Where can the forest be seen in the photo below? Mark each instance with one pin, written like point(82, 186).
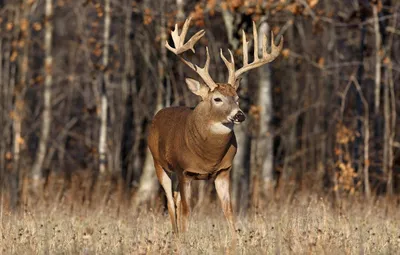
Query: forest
point(80, 82)
point(317, 169)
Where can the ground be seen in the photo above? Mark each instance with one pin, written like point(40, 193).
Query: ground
point(305, 225)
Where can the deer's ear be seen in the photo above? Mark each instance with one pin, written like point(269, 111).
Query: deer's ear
point(197, 88)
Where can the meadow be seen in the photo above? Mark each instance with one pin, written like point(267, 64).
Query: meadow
point(306, 225)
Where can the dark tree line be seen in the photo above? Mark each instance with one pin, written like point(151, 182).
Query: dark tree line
point(81, 80)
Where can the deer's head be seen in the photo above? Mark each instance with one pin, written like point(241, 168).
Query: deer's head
point(221, 105)
point(220, 101)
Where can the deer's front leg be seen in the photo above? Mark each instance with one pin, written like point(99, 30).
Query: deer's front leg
point(184, 205)
point(222, 185)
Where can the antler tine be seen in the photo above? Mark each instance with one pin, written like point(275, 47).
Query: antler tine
point(255, 38)
point(245, 50)
point(276, 49)
point(266, 57)
point(179, 40)
point(185, 28)
point(264, 46)
point(204, 74)
point(181, 46)
point(231, 67)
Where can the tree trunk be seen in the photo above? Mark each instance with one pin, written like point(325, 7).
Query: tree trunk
point(378, 64)
point(45, 131)
point(387, 135)
point(181, 13)
point(103, 91)
point(265, 142)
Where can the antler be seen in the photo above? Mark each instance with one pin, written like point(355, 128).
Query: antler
point(257, 62)
point(181, 47)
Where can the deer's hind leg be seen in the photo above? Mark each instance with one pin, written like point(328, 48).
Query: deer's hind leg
point(166, 183)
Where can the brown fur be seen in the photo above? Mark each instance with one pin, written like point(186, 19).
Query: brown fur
point(181, 141)
point(226, 90)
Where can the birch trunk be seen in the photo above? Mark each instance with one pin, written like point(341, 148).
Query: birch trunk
point(265, 142)
point(378, 64)
point(103, 91)
point(181, 14)
point(46, 121)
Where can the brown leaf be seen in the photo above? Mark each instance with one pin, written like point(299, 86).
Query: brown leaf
point(285, 53)
point(61, 3)
point(321, 62)
point(37, 26)
point(387, 60)
point(13, 56)
point(312, 3)
point(9, 26)
point(24, 25)
point(97, 52)
point(9, 155)
point(294, 8)
point(21, 140)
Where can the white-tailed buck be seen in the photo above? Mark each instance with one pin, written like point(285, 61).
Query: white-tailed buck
point(199, 143)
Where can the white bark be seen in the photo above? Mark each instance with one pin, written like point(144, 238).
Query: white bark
point(378, 64)
point(45, 131)
point(265, 142)
point(181, 14)
point(103, 94)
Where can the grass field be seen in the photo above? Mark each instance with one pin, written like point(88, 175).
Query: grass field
point(308, 225)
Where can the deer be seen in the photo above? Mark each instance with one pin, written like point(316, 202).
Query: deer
point(199, 143)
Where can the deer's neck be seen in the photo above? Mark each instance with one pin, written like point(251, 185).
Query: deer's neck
point(207, 139)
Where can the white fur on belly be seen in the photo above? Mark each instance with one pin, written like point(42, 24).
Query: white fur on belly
point(220, 128)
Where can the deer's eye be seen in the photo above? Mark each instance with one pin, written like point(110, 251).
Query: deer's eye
point(217, 99)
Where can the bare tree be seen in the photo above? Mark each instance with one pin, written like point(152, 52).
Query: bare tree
point(46, 117)
point(103, 90)
point(378, 61)
point(264, 142)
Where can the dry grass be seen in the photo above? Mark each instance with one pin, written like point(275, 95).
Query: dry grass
point(307, 225)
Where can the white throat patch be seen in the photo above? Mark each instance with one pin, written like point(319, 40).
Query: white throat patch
point(221, 128)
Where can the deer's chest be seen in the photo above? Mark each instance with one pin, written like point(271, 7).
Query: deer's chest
point(206, 166)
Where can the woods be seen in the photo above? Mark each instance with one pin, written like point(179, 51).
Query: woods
point(80, 82)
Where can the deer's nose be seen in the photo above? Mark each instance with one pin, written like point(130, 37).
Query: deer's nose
point(239, 117)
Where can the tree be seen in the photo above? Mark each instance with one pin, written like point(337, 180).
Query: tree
point(47, 94)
